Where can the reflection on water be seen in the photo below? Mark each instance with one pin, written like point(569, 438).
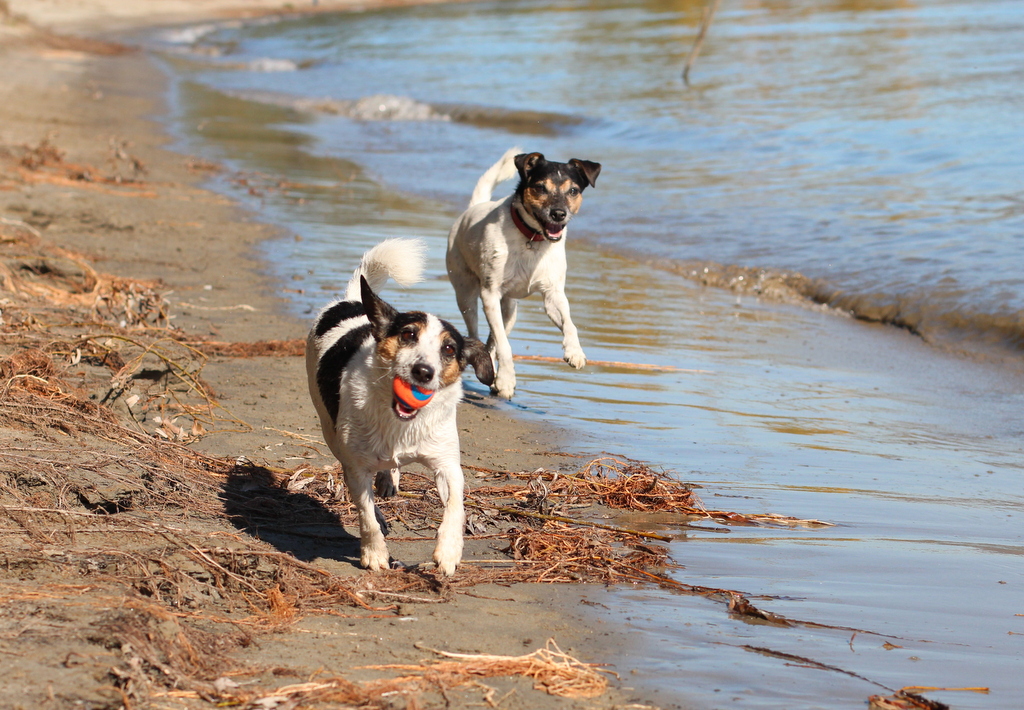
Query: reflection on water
point(858, 149)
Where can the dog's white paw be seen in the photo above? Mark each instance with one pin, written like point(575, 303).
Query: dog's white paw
point(374, 557)
point(385, 484)
point(575, 357)
point(504, 385)
point(447, 562)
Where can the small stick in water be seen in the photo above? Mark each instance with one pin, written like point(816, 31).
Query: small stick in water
point(698, 42)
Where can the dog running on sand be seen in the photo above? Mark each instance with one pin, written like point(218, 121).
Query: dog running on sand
point(504, 250)
point(386, 385)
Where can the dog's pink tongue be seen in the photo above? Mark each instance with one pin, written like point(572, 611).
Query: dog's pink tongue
point(554, 229)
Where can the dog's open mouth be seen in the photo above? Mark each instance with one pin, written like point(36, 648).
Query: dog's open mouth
point(553, 232)
point(408, 399)
point(404, 411)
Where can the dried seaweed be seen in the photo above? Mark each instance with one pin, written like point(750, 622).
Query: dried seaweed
point(46, 163)
point(56, 304)
point(911, 698)
point(552, 670)
point(260, 348)
point(625, 484)
point(904, 700)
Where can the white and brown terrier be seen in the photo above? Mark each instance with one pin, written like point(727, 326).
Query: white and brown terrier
point(501, 251)
point(386, 385)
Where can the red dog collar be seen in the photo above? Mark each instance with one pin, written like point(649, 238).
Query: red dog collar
point(531, 234)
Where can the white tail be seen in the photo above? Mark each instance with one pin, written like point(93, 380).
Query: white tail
point(501, 171)
point(398, 259)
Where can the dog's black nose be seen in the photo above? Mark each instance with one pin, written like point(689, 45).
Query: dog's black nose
point(422, 373)
point(557, 215)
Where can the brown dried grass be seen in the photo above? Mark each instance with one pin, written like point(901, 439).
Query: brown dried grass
point(51, 279)
point(259, 348)
point(624, 484)
point(553, 671)
point(45, 162)
point(58, 307)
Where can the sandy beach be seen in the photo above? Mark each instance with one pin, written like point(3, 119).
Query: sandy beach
point(83, 168)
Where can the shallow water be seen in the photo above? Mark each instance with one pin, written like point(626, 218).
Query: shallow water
point(863, 145)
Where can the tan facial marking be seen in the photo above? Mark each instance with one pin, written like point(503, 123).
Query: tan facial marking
point(574, 201)
point(387, 348)
point(450, 371)
point(535, 198)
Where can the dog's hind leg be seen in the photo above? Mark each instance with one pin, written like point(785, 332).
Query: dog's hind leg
point(505, 381)
point(466, 286)
point(509, 311)
point(373, 550)
point(385, 484)
point(450, 486)
point(466, 297)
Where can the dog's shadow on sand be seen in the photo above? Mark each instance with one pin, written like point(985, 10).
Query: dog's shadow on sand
point(292, 521)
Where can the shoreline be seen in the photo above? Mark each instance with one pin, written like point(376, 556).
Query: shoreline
point(153, 221)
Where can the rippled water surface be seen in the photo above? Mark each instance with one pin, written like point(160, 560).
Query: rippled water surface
point(868, 150)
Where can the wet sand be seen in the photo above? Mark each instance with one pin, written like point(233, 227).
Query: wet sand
point(92, 102)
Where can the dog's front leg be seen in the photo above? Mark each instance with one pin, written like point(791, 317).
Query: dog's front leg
point(373, 550)
point(505, 381)
point(556, 305)
point(450, 486)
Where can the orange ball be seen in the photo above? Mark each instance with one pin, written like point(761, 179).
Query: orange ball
point(411, 395)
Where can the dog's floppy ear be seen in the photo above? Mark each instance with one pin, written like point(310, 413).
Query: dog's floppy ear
point(525, 162)
point(476, 354)
point(381, 314)
point(588, 170)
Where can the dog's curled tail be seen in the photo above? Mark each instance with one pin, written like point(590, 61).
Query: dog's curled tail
point(399, 259)
point(504, 169)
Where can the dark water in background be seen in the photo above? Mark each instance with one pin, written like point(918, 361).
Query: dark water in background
point(872, 148)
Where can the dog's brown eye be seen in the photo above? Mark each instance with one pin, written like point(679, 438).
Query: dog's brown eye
point(407, 336)
point(574, 191)
point(448, 349)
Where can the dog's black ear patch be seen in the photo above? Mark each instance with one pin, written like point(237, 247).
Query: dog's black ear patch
point(525, 162)
point(588, 171)
point(381, 314)
point(476, 354)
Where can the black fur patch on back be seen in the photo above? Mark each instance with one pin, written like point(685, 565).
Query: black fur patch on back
point(337, 313)
point(333, 362)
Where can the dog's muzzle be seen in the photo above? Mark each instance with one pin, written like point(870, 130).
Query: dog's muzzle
point(552, 231)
